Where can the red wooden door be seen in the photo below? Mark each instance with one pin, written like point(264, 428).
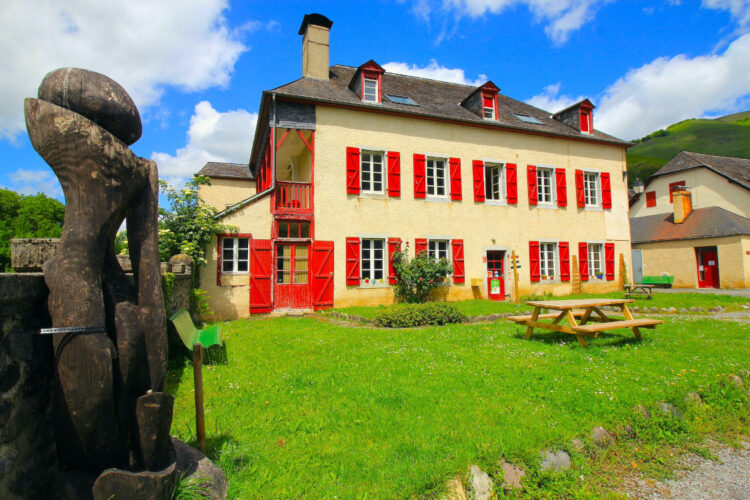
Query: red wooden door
point(495, 275)
point(292, 276)
point(708, 267)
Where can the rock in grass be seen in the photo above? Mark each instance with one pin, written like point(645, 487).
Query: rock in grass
point(627, 431)
point(455, 491)
point(693, 398)
point(558, 461)
point(734, 379)
point(683, 310)
point(642, 411)
point(602, 438)
point(480, 484)
point(744, 373)
point(669, 410)
point(512, 475)
point(577, 445)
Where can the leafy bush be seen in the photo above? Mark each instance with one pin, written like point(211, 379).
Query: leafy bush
point(408, 315)
point(417, 277)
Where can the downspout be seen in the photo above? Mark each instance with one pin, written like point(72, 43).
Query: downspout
point(273, 186)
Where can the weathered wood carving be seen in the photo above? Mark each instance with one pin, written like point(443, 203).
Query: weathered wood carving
point(110, 411)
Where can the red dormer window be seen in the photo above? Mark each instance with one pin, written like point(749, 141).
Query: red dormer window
point(587, 120)
point(369, 79)
point(489, 105)
point(370, 89)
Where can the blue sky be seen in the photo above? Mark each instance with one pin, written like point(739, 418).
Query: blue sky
point(196, 68)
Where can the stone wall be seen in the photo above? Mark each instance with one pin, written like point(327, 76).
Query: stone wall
point(28, 458)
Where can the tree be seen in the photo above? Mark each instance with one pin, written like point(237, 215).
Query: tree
point(417, 277)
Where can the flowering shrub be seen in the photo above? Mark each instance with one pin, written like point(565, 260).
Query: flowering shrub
point(417, 277)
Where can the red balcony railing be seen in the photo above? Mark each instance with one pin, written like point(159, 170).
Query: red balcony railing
point(293, 196)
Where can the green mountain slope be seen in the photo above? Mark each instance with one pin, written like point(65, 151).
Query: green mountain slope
point(725, 136)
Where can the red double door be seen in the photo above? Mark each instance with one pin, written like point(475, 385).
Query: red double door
point(292, 276)
point(708, 267)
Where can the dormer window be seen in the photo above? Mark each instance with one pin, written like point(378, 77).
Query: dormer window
point(370, 90)
point(488, 106)
point(367, 82)
point(579, 116)
point(483, 101)
point(586, 121)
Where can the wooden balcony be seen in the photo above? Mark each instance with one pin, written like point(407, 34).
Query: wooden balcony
point(293, 197)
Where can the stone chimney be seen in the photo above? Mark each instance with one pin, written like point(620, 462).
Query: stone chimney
point(683, 204)
point(315, 30)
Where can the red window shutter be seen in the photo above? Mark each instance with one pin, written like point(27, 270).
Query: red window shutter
point(219, 240)
point(511, 183)
point(580, 197)
point(459, 276)
point(531, 180)
point(394, 244)
point(673, 186)
point(651, 199)
point(352, 261)
point(420, 188)
point(564, 250)
point(420, 246)
point(585, 121)
point(352, 170)
point(477, 168)
point(322, 274)
point(606, 190)
point(562, 188)
point(609, 261)
point(260, 276)
point(394, 173)
point(583, 261)
point(489, 102)
point(534, 260)
point(455, 171)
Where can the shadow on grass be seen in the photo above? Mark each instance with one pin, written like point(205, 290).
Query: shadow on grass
point(614, 339)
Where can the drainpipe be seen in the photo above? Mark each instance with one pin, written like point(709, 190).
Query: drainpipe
point(273, 186)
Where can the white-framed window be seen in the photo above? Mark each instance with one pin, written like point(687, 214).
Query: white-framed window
point(235, 255)
point(438, 249)
point(591, 189)
point(548, 260)
point(596, 260)
point(545, 185)
point(488, 106)
point(370, 91)
point(372, 259)
point(494, 182)
point(436, 177)
point(372, 172)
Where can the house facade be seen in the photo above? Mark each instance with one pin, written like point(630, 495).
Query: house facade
point(692, 222)
point(352, 163)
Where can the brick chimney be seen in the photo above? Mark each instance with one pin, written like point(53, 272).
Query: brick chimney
point(683, 204)
point(315, 30)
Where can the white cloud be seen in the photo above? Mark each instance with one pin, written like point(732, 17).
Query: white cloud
point(31, 182)
point(739, 9)
point(434, 71)
point(142, 44)
point(212, 136)
point(551, 100)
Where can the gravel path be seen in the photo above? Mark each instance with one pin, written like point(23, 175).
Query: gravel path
point(701, 479)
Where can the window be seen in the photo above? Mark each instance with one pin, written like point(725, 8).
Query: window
point(528, 119)
point(591, 189)
point(436, 177)
point(544, 180)
point(651, 199)
point(493, 182)
point(370, 91)
point(294, 229)
point(547, 257)
point(235, 255)
point(372, 259)
point(596, 262)
point(372, 172)
point(399, 99)
point(438, 249)
point(586, 121)
point(488, 106)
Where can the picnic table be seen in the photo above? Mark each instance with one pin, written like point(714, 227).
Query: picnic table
point(639, 289)
point(579, 312)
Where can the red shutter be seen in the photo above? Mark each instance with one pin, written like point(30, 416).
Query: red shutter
point(534, 260)
point(609, 261)
point(394, 244)
point(564, 250)
point(674, 186)
point(352, 261)
point(606, 191)
point(419, 181)
point(260, 276)
point(562, 188)
point(455, 171)
point(651, 199)
point(352, 170)
point(531, 181)
point(420, 246)
point(511, 183)
point(580, 197)
point(322, 274)
point(219, 240)
point(394, 173)
point(459, 276)
point(477, 166)
point(583, 261)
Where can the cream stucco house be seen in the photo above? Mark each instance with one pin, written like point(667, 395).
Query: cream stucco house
point(350, 163)
point(692, 222)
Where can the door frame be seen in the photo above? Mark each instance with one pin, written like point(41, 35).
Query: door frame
point(640, 258)
point(506, 267)
point(699, 261)
point(295, 244)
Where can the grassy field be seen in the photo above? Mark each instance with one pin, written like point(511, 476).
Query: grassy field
point(310, 408)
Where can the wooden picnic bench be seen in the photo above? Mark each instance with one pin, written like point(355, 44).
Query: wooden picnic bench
point(639, 289)
point(578, 313)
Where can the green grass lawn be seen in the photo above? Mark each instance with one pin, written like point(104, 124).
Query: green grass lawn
point(311, 408)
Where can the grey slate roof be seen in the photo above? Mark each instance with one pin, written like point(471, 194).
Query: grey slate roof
point(734, 169)
point(711, 222)
point(227, 170)
point(435, 99)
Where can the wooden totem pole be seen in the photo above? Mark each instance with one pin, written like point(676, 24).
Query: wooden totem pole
point(109, 333)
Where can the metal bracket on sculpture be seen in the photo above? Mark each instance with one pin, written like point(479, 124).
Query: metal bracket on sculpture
point(73, 329)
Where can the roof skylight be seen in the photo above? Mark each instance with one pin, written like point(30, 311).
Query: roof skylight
point(401, 100)
point(528, 119)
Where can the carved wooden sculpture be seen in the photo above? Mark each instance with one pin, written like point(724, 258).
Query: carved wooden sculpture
point(110, 411)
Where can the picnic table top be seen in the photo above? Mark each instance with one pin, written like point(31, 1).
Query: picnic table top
point(639, 285)
point(562, 305)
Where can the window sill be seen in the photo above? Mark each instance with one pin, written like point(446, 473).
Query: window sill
point(438, 199)
point(546, 206)
point(376, 196)
point(238, 273)
point(365, 286)
point(497, 203)
point(593, 208)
